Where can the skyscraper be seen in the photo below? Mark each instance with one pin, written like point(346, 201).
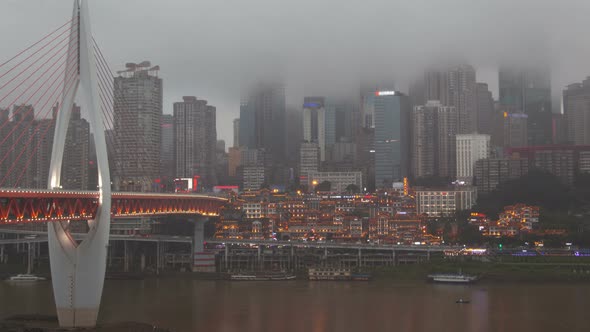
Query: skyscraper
point(309, 160)
point(434, 127)
point(515, 130)
point(455, 86)
point(319, 123)
point(436, 86)
point(528, 91)
point(18, 132)
point(262, 120)
point(423, 141)
point(137, 127)
point(470, 148)
point(167, 165)
point(195, 138)
point(76, 153)
point(485, 109)
point(576, 107)
point(462, 95)
point(236, 133)
point(392, 137)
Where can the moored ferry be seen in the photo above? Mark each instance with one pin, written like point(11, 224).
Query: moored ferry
point(329, 274)
point(25, 278)
point(262, 277)
point(452, 278)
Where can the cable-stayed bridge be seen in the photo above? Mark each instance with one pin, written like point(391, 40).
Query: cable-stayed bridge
point(39, 150)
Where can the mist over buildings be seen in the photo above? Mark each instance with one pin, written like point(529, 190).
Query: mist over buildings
point(212, 49)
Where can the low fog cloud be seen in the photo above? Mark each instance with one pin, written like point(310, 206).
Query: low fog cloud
point(212, 48)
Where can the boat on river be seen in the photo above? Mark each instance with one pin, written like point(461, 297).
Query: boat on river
point(262, 277)
point(25, 278)
point(458, 278)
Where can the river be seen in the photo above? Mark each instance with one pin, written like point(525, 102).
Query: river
point(197, 305)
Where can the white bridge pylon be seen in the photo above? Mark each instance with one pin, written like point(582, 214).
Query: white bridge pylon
point(78, 270)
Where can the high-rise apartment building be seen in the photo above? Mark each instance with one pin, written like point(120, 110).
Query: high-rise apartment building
point(528, 91)
point(137, 127)
point(309, 160)
point(470, 148)
point(392, 137)
point(436, 86)
point(576, 107)
point(28, 144)
point(221, 163)
point(489, 173)
point(515, 129)
point(563, 161)
point(252, 171)
point(195, 137)
point(455, 86)
point(167, 164)
point(262, 121)
point(76, 153)
point(484, 109)
point(463, 95)
point(4, 137)
point(319, 124)
point(560, 163)
point(424, 140)
point(233, 161)
point(19, 171)
point(236, 133)
point(434, 127)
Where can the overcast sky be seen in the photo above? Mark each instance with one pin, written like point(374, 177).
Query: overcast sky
point(210, 48)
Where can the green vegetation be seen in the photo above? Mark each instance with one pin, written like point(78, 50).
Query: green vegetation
point(324, 186)
point(353, 188)
point(563, 207)
point(539, 188)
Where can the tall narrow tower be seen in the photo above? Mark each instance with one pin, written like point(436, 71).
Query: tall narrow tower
point(78, 269)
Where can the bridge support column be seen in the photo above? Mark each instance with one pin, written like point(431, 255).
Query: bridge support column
point(78, 269)
point(393, 262)
point(360, 258)
point(158, 258)
point(125, 257)
point(226, 257)
point(292, 259)
point(428, 255)
point(259, 258)
point(203, 261)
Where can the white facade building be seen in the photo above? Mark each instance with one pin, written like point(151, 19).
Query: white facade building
point(309, 159)
point(318, 123)
point(438, 203)
point(339, 180)
point(252, 177)
point(470, 148)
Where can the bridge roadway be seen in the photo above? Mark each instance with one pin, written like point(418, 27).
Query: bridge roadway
point(42, 237)
point(337, 245)
point(19, 206)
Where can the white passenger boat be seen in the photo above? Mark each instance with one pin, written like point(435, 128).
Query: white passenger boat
point(25, 278)
point(262, 277)
point(453, 278)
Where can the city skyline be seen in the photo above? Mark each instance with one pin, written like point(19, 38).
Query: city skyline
point(353, 159)
point(217, 75)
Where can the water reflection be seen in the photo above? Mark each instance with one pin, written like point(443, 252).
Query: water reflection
point(191, 305)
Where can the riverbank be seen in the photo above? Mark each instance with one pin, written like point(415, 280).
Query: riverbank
point(40, 323)
point(507, 270)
